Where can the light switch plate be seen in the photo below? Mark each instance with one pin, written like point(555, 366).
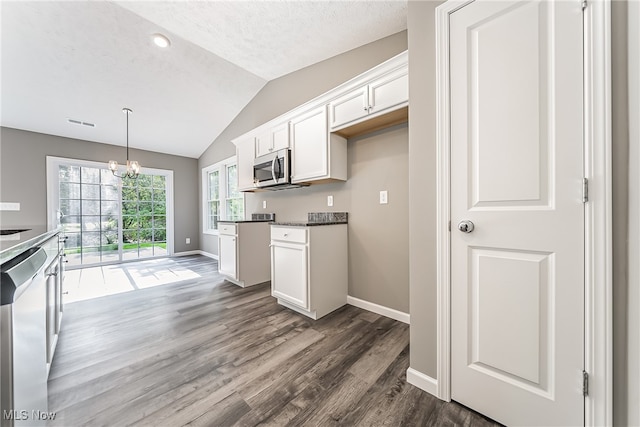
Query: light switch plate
point(384, 197)
point(188, 241)
point(264, 204)
point(329, 200)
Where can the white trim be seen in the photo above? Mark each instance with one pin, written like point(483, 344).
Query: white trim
point(443, 179)
point(9, 206)
point(598, 214)
point(53, 199)
point(187, 253)
point(422, 381)
point(196, 252)
point(209, 254)
point(379, 309)
point(221, 167)
point(598, 336)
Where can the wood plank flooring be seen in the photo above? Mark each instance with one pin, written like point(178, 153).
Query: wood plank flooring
point(205, 352)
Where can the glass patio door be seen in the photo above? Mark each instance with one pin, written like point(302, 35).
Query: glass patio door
point(107, 219)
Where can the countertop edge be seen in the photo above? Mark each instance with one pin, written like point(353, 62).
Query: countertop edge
point(13, 251)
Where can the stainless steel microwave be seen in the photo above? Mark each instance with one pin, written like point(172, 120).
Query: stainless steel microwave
point(273, 169)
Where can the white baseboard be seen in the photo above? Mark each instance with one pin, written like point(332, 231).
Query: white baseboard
point(196, 252)
point(422, 381)
point(379, 309)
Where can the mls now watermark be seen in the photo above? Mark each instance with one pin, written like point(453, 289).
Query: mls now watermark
point(24, 415)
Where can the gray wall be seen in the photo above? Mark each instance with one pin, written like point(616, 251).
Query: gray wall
point(20, 150)
point(378, 274)
point(633, 321)
point(421, 31)
point(422, 185)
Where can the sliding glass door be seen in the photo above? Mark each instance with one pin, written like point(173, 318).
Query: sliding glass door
point(108, 219)
point(144, 217)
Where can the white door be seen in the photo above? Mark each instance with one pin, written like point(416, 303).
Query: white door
point(309, 139)
point(517, 280)
point(227, 254)
point(289, 273)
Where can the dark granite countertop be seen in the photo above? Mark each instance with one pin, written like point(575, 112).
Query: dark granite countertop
point(255, 217)
point(317, 218)
point(306, 224)
point(225, 221)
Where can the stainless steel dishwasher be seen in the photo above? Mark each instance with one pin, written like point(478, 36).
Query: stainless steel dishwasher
point(23, 365)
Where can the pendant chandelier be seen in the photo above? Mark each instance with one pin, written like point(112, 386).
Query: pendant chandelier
point(133, 167)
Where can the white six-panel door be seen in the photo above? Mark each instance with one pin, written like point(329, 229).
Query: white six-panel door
point(517, 279)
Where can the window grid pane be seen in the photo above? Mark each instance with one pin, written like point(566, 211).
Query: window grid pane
point(90, 204)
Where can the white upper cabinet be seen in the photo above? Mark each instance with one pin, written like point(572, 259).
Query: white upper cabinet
point(316, 154)
point(245, 154)
point(382, 95)
point(316, 131)
point(349, 107)
point(273, 139)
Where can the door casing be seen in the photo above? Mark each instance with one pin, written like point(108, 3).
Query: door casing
point(598, 209)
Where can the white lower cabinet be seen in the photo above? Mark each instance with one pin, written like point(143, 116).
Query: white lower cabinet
point(309, 268)
point(243, 252)
point(289, 280)
point(228, 256)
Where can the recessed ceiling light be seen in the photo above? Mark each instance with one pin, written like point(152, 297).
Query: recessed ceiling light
point(160, 40)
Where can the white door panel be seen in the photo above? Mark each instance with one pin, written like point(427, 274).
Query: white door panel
point(517, 280)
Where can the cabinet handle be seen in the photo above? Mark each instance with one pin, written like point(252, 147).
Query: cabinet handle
point(286, 234)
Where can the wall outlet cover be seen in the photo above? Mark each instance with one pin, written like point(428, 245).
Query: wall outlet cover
point(329, 200)
point(384, 197)
point(264, 204)
point(188, 241)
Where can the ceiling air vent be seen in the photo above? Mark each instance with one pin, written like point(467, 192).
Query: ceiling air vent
point(80, 122)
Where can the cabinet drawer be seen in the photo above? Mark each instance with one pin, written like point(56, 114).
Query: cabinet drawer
point(228, 229)
point(289, 234)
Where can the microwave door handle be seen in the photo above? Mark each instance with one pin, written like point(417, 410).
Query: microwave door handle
point(273, 169)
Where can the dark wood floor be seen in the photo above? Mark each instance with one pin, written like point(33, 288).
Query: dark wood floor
point(208, 353)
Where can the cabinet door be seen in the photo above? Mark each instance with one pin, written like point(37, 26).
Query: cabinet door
point(349, 107)
point(245, 155)
point(310, 146)
point(227, 256)
point(389, 91)
point(280, 136)
point(289, 273)
point(264, 144)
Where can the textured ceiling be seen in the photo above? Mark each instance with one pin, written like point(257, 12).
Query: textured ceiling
point(87, 60)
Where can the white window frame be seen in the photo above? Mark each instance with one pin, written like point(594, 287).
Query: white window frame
point(53, 199)
point(220, 166)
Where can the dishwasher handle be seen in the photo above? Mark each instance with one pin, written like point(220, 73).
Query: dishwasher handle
point(18, 272)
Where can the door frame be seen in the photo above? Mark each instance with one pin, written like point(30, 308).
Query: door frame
point(598, 209)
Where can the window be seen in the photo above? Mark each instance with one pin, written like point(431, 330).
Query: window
point(221, 198)
point(107, 219)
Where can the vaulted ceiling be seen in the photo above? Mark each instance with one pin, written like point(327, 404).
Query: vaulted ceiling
point(86, 60)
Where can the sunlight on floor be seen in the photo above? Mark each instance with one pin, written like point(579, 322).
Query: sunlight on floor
point(94, 282)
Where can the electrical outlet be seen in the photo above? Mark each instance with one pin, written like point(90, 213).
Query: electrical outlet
point(188, 240)
point(264, 204)
point(384, 197)
point(329, 200)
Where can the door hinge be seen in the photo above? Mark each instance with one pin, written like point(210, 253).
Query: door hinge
point(585, 190)
point(584, 4)
point(449, 225)
point(585, 383)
